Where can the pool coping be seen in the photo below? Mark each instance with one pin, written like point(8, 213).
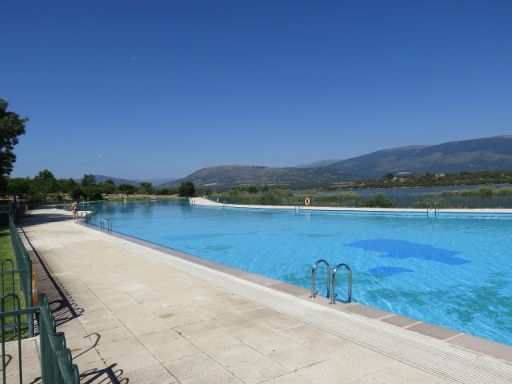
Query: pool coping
point(455, 338)
point(203, 202)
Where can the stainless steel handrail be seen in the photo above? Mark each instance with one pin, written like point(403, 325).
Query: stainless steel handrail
point(333, 283)
point(313, 274)
point(106, 224)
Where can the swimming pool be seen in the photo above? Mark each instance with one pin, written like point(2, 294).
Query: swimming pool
point(453, 271)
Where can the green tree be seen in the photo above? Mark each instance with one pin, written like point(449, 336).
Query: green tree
point(88, 180)
point(20, 186)
point(187, 189)
point(127, 189)
point(11, 126)
point(66, 185)
point(252, 189)
point(45, 183)
point(108, 187)
point(146, 188)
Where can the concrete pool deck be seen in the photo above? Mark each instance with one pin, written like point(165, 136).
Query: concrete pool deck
point(208, 203)
point(147, 316)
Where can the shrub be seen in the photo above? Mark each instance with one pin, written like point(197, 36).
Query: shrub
point(187, 189)
point(379, 201)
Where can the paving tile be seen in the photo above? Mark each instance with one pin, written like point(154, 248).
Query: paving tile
point(398, 373)
point(247, 364)
point(290, 378)
point(297, 356)
point(167, 346)
point(133, 361)
point(181, 318)
point(330, 371)
point(117, 348)
point(196, 330)
point(155, 374)
point(366, 311)
point(217, 378)
point(264, 340)
point(500, 351)
point(197, 367)
point(433, 331)
point(400, 321)
point(144, 327)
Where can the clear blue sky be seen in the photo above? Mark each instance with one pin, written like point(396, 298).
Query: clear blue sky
point(146, 89)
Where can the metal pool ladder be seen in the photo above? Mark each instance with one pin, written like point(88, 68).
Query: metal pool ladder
point(435, 207)
point(349, 282)
point(106, 225)
point(313, 274)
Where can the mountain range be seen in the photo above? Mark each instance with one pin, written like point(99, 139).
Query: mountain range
point(485, 154)
point(118, 181)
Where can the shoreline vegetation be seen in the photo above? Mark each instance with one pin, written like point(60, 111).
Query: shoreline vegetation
point(46, 189)
point(483, 197)
point(401, 180)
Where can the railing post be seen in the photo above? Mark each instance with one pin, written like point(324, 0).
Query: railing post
point(56, 361)
point(313, 277)
point(349, 282)
point(17, 329)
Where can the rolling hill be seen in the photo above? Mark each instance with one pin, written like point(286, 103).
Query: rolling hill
point(231, 175)
point(486, 154)
point(117, 181)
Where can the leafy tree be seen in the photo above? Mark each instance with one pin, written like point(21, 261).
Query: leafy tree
point(66, 185)
point(389, 176)
point(88, 180)
point(146, 188)
point(127, 189)
point(187, 189)
point(252, 189)
point(45, 183)
point(108, 186)
point(20, 186)
point(166, 191)
point(11, 126)
point(77, 193)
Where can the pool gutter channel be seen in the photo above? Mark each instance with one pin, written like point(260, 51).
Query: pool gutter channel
point(431, 212)
point(439, 350)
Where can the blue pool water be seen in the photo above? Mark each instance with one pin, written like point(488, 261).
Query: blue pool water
point(453, 271)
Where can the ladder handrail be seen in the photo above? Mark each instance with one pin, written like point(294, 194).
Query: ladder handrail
point(106, 224)
point(313, 274)
point(333, 284)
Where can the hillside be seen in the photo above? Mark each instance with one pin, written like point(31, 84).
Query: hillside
point(487, 154)
point(117, 181)
point(230, 175)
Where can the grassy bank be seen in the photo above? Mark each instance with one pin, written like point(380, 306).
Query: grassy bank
point(7, 253)
point(484, 197)
point(287, 197)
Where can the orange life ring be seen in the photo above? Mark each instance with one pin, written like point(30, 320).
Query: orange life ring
point(307, 201)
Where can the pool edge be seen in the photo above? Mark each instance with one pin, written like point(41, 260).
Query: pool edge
point(455, 338)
